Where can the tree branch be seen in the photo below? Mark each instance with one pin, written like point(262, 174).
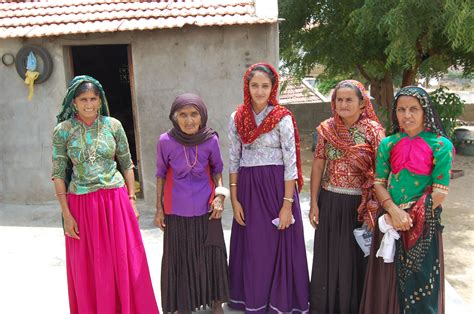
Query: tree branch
point(364, 73)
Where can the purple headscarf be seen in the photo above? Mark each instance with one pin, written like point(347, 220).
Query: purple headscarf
point(203, 134)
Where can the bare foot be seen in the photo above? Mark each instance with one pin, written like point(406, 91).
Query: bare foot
point(217, 308)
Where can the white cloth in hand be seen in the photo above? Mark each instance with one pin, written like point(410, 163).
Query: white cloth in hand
point(387, 246)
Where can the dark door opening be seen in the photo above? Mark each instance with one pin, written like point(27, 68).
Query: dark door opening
point(109, 64)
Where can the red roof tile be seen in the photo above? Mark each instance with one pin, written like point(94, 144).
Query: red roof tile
point(60, 17)
point(299, 93)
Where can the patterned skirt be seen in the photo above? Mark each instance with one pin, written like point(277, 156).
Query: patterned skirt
point(382, 276)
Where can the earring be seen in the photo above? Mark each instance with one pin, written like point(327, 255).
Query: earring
point(74, 107)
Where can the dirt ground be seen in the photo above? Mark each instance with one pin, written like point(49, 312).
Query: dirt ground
point(457, 218)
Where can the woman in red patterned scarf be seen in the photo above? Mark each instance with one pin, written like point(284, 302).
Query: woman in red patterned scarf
point(268, 267)
point(343, 198)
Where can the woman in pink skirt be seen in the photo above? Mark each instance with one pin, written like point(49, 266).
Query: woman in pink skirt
point(107, 269)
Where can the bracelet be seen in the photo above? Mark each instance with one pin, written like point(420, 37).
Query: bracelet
point(61, 193)
point(383, 201)
point(232, 184)
point(221, 190)
point(132, 197)
point(291, 200)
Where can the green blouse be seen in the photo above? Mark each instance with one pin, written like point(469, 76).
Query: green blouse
point(94, 152)
point(415, 163)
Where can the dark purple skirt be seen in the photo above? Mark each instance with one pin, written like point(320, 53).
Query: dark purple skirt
point(194, 270)
point(268, 267)
point(338, 271)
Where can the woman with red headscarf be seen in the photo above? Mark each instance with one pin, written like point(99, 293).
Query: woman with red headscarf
point(268, 267)
point(343, 198)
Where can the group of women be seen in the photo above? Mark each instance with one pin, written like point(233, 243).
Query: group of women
point(392, 186)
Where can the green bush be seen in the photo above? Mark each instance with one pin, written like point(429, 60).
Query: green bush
point(449, 107)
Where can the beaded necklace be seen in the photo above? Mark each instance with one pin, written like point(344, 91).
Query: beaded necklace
point(187, 159)
point(92, 150)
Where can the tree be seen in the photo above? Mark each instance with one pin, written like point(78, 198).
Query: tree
point(385, 43)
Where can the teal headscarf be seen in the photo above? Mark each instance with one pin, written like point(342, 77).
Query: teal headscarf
point(67, 108)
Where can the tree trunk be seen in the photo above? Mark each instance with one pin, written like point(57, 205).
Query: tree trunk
point(382, 91)
point(409, 77)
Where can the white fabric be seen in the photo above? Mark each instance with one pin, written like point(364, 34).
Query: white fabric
point(222, 190)
point(387, 246)
point(363, 238)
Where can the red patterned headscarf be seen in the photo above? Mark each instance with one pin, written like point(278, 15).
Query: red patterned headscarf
point(247, 126)
point(337, 134)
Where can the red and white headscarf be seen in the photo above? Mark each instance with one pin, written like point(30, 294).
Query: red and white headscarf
point(337, 134)
point(247, 126)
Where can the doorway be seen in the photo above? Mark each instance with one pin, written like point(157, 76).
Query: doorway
point(109, 64)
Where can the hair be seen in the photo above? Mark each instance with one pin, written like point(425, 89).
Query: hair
point(351, 86)
point(86, 87)
point(264, 69)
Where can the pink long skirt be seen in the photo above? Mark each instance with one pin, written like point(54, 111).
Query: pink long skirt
point(107, 269)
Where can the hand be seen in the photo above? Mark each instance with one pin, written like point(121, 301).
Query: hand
point(400, 219)
point(217, 207)
point(314, 215)
point(70, 226)
point(134, 206)
point(238, 213)
point(160, 219)
point(285, 216)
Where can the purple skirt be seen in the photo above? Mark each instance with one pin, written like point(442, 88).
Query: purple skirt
point(268, 267)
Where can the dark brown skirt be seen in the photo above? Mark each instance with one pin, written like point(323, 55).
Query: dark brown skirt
point(380, 289)
point(380, 294)
point(194, 270)
point(338, 265)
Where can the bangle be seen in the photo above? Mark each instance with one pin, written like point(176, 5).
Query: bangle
point(232, 184)
point(221, 190)
point(291, 200)
point(383, 201)
point(132, 197)
point(60, 193)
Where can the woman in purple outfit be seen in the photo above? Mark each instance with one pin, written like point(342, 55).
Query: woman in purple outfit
point(189, 206)
point(268, 267)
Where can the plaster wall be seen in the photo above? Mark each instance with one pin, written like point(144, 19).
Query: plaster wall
point(209, 61)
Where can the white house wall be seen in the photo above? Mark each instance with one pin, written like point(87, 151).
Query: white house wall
point(209, 61)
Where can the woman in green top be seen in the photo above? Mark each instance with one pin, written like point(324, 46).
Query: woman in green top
point(411, 181)
point(106, 263)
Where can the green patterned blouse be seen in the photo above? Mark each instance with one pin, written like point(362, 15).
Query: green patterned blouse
point(414, 164)
point(94, 158)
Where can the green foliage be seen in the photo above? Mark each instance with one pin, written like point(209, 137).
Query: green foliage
point(389, 40)
point(325, 86)
point(449, 107)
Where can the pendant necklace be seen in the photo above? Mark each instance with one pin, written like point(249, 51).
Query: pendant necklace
point(187, 159)
point(92, 150)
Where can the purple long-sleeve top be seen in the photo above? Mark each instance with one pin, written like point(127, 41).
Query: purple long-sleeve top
point(189, 187)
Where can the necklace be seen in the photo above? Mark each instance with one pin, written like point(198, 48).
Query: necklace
point(92, 150)
point(187, 159)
